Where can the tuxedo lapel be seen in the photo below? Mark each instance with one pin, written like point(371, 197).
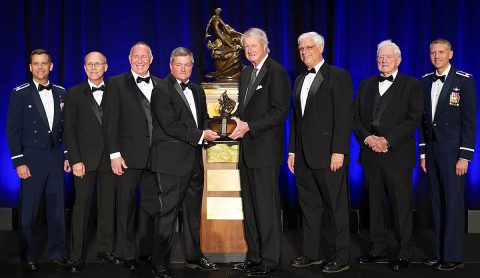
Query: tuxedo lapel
point(57, 106)
point(86, 91)
point(372, 92)
point(38, 103)
point(261, 74)
point(180, 93)
point(428, 98)
point(317, 81)
point(242, 90)
point(444, 93)
point(142, 100)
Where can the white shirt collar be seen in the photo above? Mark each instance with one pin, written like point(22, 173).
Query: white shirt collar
point(135, 75)
point(260, 65)
point(93, 85)
point(319, 65)
point(394, 74)
point(445, 72)
point(36, 83)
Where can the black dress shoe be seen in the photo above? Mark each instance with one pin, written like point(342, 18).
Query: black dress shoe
point(261, 270)
point(399, 264)
point(449, 266)
point(145, 259)
point(160, 271)
point(304, 261)
point(334, 267)
point(370, 258)
point(434, 261)
point(245, 265)
point(108, 257)
point(130, 264)
point(75, 265)
point(202, 263)
point(62, 261)
point(30, 266)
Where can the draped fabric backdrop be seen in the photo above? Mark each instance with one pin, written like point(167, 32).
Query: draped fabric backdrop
point(352, 30)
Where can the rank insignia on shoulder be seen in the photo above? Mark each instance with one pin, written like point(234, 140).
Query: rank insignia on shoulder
point(21, 87)
point(60, 87)
point(464, 74)
point(428, 74)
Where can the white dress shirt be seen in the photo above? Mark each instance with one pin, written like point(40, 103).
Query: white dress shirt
point(191, 103)
point(307, 83)
point(436, 89)
point(146, 88)
point(98, 94)
point(385, 84)
point(47, 100)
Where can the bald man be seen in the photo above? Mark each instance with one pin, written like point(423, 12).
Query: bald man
point(83, 138)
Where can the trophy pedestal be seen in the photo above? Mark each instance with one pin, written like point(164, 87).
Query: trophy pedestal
point(221, 232)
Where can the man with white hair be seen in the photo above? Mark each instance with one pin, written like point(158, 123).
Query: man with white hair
point(264, 101)
point(319, 150)
point(388, 109)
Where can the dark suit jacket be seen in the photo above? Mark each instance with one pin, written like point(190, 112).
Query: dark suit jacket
point(175, 133)
point(83, 135)
point(454, 124)
point(327, 121)
point(27, 125)
point(265, 110)
point(126, 120)
point(398, 122)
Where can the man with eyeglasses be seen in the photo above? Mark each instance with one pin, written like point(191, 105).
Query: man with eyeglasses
point(388, 109)
point(127, 127)
point(83, 136)
point(319, 149)
point(179, 113)
point(447, 144)
point(34, 133)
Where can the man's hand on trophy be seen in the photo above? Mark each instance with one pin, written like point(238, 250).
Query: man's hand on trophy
point(240, 130)
point(210, 135)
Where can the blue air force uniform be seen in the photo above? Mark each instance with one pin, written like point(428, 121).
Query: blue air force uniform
point(35, 140)
point(448, 134)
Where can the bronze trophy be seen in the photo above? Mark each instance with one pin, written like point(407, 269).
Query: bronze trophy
point(223, 125)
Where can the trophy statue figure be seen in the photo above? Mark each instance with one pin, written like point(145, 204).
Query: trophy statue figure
point(226, 47)
point(223, 125)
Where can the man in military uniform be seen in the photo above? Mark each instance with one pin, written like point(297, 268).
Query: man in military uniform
point(446, 146)
point(34, 131)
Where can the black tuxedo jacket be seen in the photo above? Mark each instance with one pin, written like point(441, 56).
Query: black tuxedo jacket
point(175, 133)
point(27, 124)
point(265, 109)
point(455, 121)
point(397, 123)
point(127, 120)
point(327, 121)
point(83, 135)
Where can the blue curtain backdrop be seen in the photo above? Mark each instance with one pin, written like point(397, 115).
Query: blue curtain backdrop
point(352, 29)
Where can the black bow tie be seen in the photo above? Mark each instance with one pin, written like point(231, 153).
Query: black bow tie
point(438, 77)
point(101, 88)
point(41, 87)
point(184, 85)
point(383, 78)
point(143, 79)
point(312, 70)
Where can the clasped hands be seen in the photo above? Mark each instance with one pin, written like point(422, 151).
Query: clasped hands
point(377, 144)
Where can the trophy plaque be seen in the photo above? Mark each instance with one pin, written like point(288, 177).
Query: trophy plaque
point(223, 125)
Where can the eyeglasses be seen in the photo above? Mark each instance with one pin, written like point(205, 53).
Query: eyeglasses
point(385, 57)
point(306, 48)
point(94, 65)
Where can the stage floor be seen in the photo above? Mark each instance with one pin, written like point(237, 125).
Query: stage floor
point(423, 242)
